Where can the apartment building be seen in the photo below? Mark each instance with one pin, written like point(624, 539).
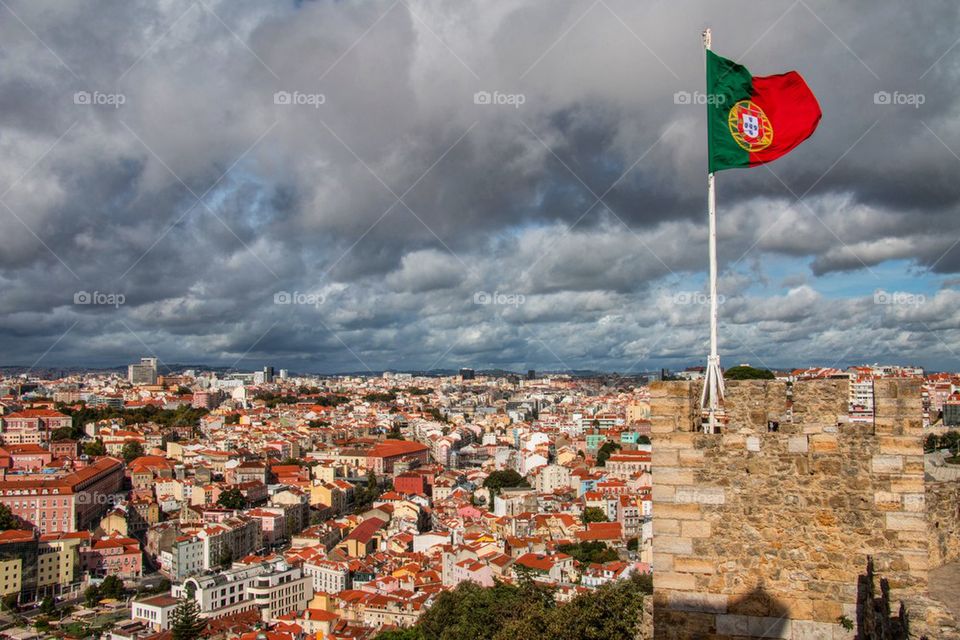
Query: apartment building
point(65, 502)
point(271, 586)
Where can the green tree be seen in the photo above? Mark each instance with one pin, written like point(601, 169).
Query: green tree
point(503, 479)
point(185, 621)
point(7, 519)
point(91, 596)
point(412, 633)
point(605, 451)
point(63, 433)
point(112, 587)
point(594, 514)
point(746, 372)
point(95, 448)
point(131, 451)
point(9, 602)
point(477, 613)
point(591, 551)
point(48, 606)
point(612, 611)
point(232, 498)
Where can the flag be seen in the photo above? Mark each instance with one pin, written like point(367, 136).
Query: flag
point(755, 120)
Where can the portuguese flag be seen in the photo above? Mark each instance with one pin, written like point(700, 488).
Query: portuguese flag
point(755, 120)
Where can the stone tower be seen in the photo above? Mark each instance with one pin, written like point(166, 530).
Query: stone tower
point(761, 531)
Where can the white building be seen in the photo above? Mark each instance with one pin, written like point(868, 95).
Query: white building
point(551, 477)
point(328, 576)
point(272, 586)
point(154, 612)
point(186, 557)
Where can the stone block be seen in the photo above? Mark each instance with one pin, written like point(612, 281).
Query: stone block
point(691, 457)
point(823, 443)
point(678, 581)
point(677, 511)
point(886, 464)
point(902, 521)
point(664, 457)
point(685, 564)
point(753, 443)
point(662, 562)
point(663, 493)
point(702, 602)
point(797, 444)
point(914, 502)
point(695, 529)
point(672, 475)
point(666, 527)
point(900, 445)
point(810, 630)
point(754, 626)
point(671, 544)
point(888, 501)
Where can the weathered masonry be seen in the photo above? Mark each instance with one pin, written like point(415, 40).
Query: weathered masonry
point(762, 530)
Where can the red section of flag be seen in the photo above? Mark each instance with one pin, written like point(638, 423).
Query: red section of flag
point(792, 109)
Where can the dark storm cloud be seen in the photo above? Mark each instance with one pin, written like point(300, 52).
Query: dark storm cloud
point(385, 192)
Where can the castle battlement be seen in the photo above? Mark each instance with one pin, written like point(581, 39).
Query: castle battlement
point(763, 529)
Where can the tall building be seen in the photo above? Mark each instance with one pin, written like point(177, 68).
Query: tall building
point(143, 373)
point(268, 374)
point(467, 374)
point(284, 374)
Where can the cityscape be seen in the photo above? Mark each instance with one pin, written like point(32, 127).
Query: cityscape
point(476, 320)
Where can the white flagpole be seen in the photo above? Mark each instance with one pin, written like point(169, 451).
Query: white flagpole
point(712, 394)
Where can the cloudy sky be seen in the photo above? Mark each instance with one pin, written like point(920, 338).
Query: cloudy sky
point(314, 185)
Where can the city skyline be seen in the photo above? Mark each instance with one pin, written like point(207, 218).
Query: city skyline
point(331, 188)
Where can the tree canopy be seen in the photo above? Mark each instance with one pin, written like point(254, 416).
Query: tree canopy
point(528, 611)
point(503, 479)
point(746, 372)
point(605, 451)
point(131, 451)
point(185, 621)
point(7, 519)
point(594, 514)
point(232, 498)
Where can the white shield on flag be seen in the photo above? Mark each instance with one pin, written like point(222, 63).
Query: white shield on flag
point(751, 125)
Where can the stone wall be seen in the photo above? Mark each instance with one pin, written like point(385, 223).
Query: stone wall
point(943, 501)
point(761, 531)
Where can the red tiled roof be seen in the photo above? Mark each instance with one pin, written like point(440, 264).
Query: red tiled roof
point(365, 531)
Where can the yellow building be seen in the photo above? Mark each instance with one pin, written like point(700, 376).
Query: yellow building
point(11, 575)
point(58, 561)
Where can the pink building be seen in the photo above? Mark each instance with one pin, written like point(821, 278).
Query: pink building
point(472, 571)
point(28, 457)
point(273, 524)
point(32, 426)
point(66, 502)
point(114, 555)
